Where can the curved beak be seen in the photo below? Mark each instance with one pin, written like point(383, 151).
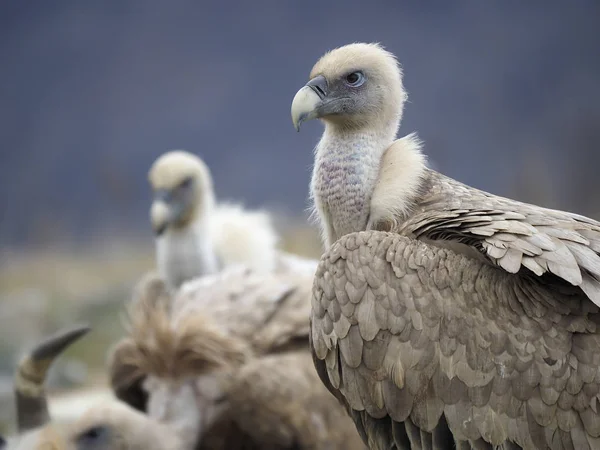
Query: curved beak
point(32, 406)
point(307, 101)
point(165, 211)
point(161, 216)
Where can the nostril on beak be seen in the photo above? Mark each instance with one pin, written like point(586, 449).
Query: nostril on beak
point(319, 91)
point(319, 86)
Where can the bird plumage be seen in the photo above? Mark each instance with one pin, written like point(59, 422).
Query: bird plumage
point(412, 333)
point(195, 235)
point(458, 318)
point(237, 343)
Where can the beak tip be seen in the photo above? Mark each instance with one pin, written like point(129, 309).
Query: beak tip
point(159, 230)
point(305, 105)
point(160, 217)
point(296, 121)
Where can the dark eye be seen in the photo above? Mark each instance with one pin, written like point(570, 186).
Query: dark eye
point(186, 183)
point(221, 399)
point(93, 434)
point(354, 79)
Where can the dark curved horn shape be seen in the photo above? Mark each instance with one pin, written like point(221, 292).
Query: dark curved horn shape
point(31, 403)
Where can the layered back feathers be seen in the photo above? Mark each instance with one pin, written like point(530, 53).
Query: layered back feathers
point(231, 329)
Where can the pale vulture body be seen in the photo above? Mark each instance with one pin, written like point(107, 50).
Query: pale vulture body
point(459, 319)
point(237, 343)
point(196, 236)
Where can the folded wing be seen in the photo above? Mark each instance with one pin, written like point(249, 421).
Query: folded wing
point(513, 235)
point(431, 349)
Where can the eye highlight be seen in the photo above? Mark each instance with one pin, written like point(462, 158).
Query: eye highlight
point(354, 79)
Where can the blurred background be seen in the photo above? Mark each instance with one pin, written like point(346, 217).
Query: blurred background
point(505, 94)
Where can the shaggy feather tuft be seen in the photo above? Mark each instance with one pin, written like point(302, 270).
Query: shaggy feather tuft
point(400, 178)
point(196, 346)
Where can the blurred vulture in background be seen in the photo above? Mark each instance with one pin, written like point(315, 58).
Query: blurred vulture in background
point(229, 355)
point(110, 425)
point(196, 236)
point(459, 319)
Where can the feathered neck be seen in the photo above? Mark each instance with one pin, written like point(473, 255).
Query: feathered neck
point(344, 176)
point(363, 176)
point(204, 208)
point(188, 252)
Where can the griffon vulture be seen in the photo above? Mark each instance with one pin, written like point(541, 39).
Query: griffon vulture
point(194, 235)
point(236, 343)
point(110, 425)
point(442, 316)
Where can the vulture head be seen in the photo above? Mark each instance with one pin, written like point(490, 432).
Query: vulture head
point(109, 425)
point(116, 426)
point(354, 86)
point(183, 190)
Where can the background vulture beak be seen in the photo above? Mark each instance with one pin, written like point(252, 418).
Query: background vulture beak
point(160, 216)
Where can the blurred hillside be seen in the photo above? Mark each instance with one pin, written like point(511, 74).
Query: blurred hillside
point(91, 92)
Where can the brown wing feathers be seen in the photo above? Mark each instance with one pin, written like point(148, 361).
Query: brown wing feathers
point(458, 346)
point(511, 234)
point(274, 397)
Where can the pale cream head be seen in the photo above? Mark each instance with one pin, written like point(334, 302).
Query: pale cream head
point(354, 86)
point(116, 426)
point(110, 425)
point(182, 187)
